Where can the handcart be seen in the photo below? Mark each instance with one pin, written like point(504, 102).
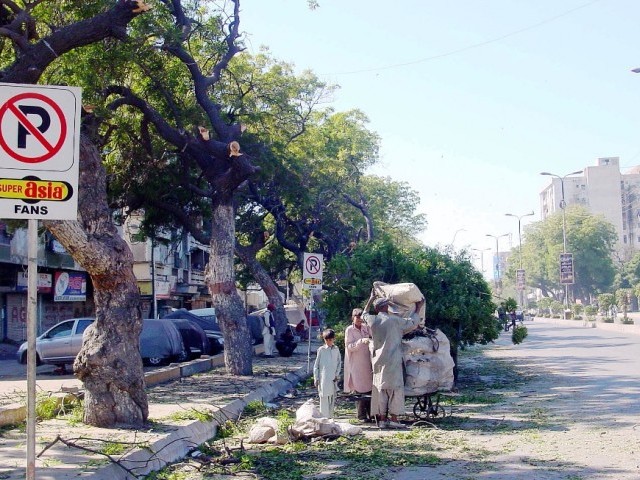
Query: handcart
point(427, 406)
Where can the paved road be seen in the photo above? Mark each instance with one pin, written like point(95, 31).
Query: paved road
point(591, 391)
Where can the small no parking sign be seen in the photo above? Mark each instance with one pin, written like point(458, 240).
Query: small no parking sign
point(39, 151)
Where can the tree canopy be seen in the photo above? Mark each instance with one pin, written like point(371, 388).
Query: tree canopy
point(591, 240)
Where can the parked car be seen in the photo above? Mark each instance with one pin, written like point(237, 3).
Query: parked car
point(160, 342)
point(209, 325)
point(60, 344)
point(194, 337)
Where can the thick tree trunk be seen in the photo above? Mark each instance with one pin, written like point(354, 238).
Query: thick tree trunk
point(109, 363)
point(221, 279)
point(260, 275)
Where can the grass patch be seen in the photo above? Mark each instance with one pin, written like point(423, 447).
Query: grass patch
point(254, 408)
point(191, 414)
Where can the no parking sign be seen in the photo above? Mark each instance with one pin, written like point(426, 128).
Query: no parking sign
point(39, 151)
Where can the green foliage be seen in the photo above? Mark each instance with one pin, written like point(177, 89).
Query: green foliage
point(510, 305)
point(590, 238)
point(285, 419)
point(192, 414)
point(606, 301)
point(48, 406)
point(253, 408)
point(519, 334)
point(590, 311)
point(458, 299)
point(114, 448)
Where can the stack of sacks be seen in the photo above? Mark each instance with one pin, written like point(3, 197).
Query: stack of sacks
point(428, 365)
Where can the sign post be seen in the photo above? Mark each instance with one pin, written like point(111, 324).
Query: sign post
point(311, 280)
point(39, 157)
point(566, 269)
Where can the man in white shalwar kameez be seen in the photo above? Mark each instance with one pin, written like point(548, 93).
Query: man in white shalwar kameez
point(326, 371)
point(387, 329)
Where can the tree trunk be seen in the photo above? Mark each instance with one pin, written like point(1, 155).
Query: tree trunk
point(220, 278)
point(260, 275)
point(109, 362)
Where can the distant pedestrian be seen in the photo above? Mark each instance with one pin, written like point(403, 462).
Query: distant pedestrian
point(268, 330)
point(358, 374)
point(326, 370)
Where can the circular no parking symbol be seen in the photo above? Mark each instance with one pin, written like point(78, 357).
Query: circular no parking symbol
point(32, 127)
point(313, 265)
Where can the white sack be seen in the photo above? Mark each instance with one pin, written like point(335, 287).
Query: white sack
point(402, 298)
point(307, 410)
point(426, 370)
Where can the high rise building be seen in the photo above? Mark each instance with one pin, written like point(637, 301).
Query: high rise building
point(602, 189)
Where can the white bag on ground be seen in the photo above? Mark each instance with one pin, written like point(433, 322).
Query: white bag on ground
point(310, 423)
point(402, 298)
point(263, 430)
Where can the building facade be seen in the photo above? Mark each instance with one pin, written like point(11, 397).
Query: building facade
point(602, 189)
point(64, 288)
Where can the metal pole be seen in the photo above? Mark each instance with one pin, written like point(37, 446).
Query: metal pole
point(563, 205)
point(519, 217)
point(32, 309)
point(309, 335)
point(153, 280)
point(564, 245)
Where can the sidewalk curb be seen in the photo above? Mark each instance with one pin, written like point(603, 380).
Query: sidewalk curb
point(15, 413)
point(176, 444)
point(612, 327)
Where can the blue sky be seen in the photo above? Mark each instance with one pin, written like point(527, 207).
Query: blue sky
point(472, 100)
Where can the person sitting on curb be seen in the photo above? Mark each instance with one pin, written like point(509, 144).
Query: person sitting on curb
point(286, 345)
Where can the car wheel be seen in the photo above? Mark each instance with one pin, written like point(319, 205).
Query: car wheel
point(155, 361)
point(23, 359)
point(184, 356)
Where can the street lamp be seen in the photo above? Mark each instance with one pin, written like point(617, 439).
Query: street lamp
point(481, 250)
point(520, 217)
point(563, 206)
point(456, 234)
point(497, 272)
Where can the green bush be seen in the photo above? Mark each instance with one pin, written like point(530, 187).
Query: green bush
point(519, 334)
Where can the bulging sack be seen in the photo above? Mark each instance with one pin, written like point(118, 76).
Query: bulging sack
point(428, 364)
point(402, 298)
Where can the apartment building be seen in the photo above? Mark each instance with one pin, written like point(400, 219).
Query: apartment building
point(602, 189)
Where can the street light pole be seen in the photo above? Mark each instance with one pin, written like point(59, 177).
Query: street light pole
point(481, 250)
point(563, 206)
point(520, 217)
point(497, 272)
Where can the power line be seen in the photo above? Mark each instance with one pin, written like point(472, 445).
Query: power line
point(469, 47)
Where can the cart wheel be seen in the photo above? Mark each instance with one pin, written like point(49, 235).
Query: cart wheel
point(421, 408)
point(426, 409)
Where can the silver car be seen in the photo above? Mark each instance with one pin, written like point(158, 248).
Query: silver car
point(60, 344)
point(160, 342)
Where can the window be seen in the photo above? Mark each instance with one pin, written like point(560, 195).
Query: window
point(82, 325)
point(62, 330)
